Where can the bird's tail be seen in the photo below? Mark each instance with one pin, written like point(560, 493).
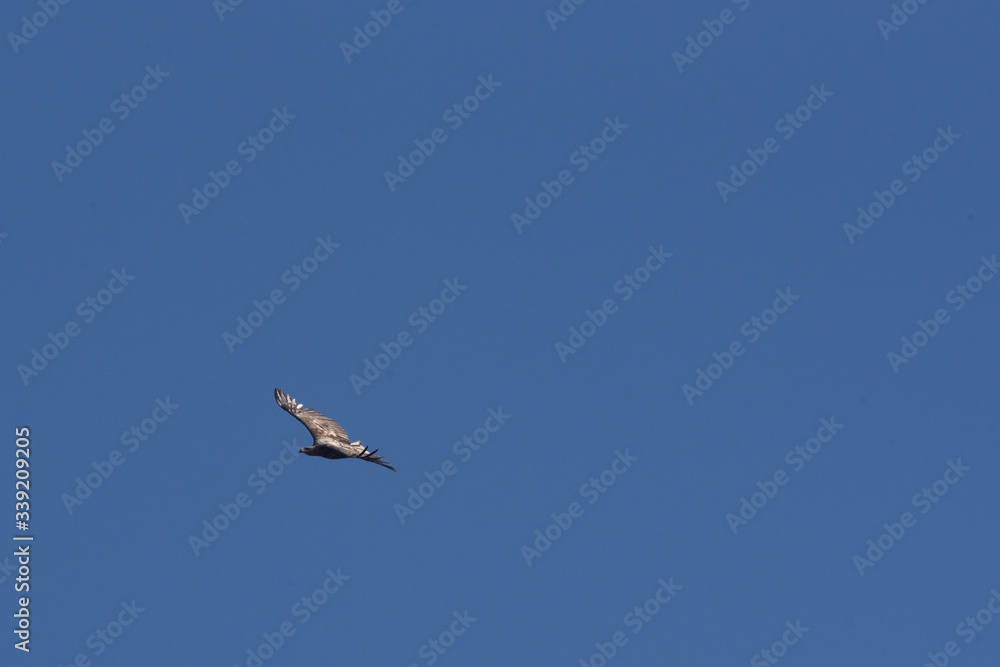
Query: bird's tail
point(373, 457)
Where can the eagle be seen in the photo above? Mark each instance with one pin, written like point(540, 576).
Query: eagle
point(329, 440)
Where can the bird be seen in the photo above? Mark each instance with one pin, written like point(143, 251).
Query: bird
point(329, 440)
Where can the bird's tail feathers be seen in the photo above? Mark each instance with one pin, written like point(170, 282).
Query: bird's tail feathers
point(373, 457)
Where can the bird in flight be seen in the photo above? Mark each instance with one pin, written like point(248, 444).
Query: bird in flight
point(329, 439)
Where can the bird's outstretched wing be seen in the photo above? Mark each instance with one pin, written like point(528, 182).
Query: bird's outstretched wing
point(321, 427)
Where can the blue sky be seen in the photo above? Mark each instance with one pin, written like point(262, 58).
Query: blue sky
point(677, 322)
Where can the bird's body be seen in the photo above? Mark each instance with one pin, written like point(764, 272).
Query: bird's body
point(329, 440)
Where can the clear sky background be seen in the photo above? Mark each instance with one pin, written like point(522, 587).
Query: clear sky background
point(669, 523)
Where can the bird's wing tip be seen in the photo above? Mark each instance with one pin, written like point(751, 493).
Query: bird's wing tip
point(283, 399)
